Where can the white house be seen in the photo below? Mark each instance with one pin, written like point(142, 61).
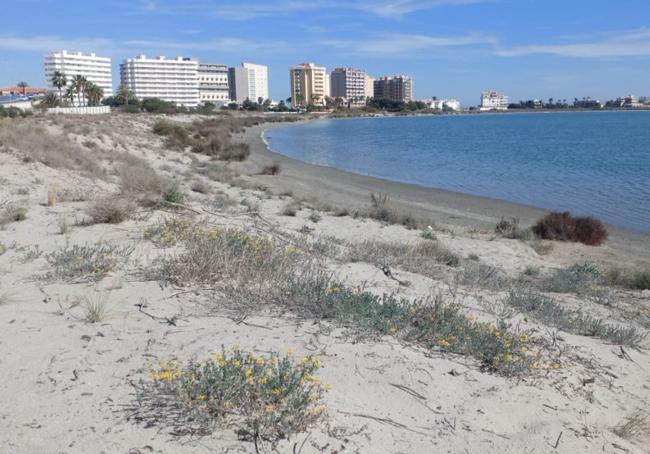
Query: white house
point(493, 100)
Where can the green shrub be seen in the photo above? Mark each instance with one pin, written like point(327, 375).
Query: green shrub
point(551, 313)
point(641, 280)
point(173, 195)
point(157, 105)
point(86, 263)
point(110, 210)
point(565, 227)
point(264, 398)
point(577, 278)
point(176, 135)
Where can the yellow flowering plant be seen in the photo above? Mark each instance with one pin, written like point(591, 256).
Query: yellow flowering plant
point(265, 397)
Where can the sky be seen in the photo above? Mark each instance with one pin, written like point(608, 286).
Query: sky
point(451, 48)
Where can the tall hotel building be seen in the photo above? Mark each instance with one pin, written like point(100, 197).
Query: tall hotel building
point(493, 100)
point(396, 88)
point(173, 80)
point(309, 85)
point(213, 83)
point(249, 81)
point(349, 84)
point(95, 69)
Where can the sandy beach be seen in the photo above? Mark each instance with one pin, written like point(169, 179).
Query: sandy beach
point(128, 258)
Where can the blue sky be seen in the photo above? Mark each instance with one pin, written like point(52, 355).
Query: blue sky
point(452, 48)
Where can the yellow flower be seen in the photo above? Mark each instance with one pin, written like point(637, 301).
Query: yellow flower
point(392, 330)
point(269, 373)
point(260, 361)
point(268, 409)
point(263, 380)
point(276, 391)
point(444, 343)
point(305, 360)
point(248, 372)
point(236, 362)
point(219, 356)
point(201, 397)
point(316, 363)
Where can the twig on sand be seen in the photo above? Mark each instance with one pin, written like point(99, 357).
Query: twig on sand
point(494, 433)
point(557, 442)
point(170, 321)
point(387, 421)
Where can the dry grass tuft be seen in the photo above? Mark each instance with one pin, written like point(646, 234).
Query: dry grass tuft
point(635, 426)
point(140, 182)
point(272, 169)
point(110, 210)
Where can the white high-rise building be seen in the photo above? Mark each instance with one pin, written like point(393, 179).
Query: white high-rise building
point(173, 80)
point(213, 83)
point(95, 69)
point(249, 81)
point(493, 100)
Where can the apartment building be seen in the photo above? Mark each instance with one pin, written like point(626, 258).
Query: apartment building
point(95, 69)
point(350, 85)
point(213, 83)
point(369, 88)
point(249, 81)
point(309, 85)
point(173, 80)
point(493, 100)
point(396, 88)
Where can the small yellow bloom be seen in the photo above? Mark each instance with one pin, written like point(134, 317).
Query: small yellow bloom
point(268, 409)
point(269, 373)
point(392, 330)
point(236, 362)
point(316, 363)
point(262, 380)
point(305, 360)
point(248, 372)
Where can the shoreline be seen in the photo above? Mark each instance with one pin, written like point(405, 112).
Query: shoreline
point(344, 189)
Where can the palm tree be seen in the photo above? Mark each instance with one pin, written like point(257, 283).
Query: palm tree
point(23, 85)
point(50, 100)
point(94, 94)
point(69, 94)
point(59, 80)
point(79, 85)
point(124, 94)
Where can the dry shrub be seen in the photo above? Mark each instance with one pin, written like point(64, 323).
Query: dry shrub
point(272, 169)
point(422, 257)
point(35, 142)
point(565, 227)
point(110, 210)
point(509, 228)
point(140, 182)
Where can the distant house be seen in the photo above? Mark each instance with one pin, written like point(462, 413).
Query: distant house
point(18, 91)
point(444, 104)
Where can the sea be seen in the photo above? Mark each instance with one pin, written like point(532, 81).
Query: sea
point(588, 163)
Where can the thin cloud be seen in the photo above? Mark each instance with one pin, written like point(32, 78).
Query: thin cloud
point(44, 44)
point(385, 8)
point(406, 45)
point(626, 44)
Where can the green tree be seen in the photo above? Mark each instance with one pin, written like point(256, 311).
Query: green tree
point(79, 84)
point(59, 80)
point(50, 100)
point(94, 94)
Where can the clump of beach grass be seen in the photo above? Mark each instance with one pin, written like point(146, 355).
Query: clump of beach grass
point(546, 310)
point(95, 309)
point(634, 426)
point(264, 398)
point(482, 276)
point(423, 257)
point(86, 263)
point(579, 278)
point(291, 209)
point(13, 213)
point(140, 182)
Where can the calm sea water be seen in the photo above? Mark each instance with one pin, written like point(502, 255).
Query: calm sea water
point(595, 163)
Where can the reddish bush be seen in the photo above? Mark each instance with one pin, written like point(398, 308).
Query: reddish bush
point(565, 227)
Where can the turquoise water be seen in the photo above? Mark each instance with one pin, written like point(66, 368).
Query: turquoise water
point(593, 163)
